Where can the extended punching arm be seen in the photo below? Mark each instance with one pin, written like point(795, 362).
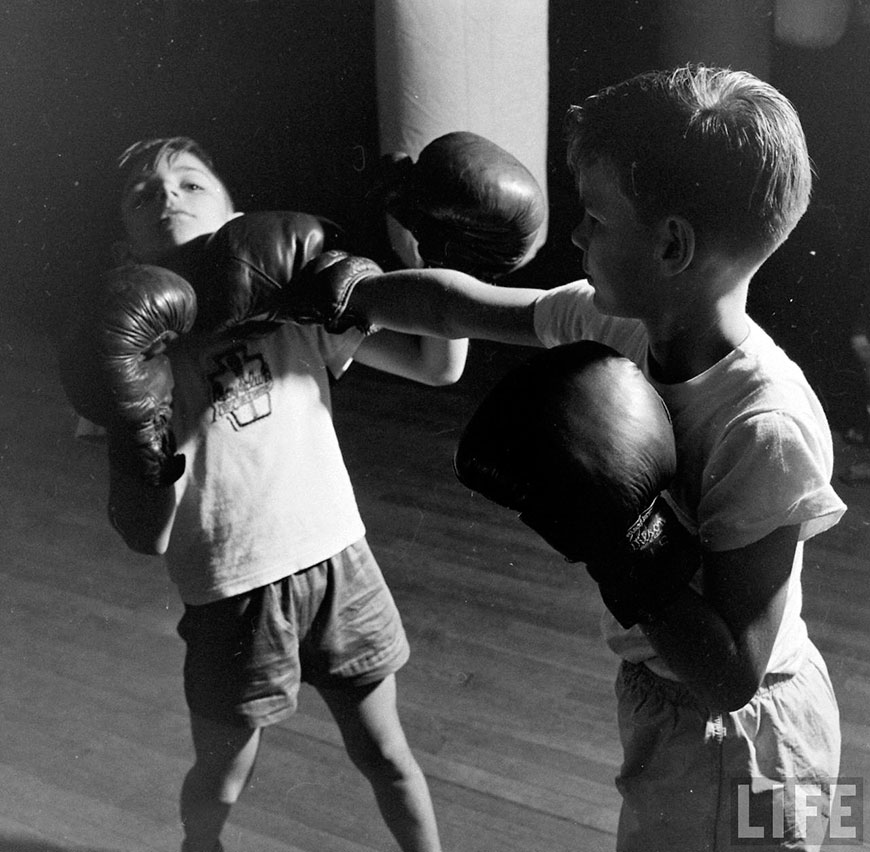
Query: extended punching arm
point(472, 206)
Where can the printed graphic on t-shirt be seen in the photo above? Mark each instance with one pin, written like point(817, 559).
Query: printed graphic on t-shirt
point(240, 387)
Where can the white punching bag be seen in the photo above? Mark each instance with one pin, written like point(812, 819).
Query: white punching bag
point(475, 65)
point(730, 33)
point(811, 23)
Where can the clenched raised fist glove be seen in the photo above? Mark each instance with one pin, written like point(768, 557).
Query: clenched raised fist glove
point(580, 444)
point(471, 205)
point(115, 370)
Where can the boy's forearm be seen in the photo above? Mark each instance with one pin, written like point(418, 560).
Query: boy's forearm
point(432, 361)
point(443, 359)
point(720, 642)
point(445, 303)
point(414, 301)
point(695, 642)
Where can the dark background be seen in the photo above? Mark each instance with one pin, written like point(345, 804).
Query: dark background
point(283, 94)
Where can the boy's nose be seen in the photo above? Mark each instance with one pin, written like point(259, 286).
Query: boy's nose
point(165, 192)
point(578, 237)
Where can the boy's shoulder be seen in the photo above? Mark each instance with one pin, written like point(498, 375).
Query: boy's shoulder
point(755, 447)
point(768, 370)
point(755, 392)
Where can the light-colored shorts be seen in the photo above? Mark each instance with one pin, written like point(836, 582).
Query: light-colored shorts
point(757, 778)
point(334, 625)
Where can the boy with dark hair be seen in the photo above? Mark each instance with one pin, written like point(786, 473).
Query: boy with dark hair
point(223, 455)
point(255, 513)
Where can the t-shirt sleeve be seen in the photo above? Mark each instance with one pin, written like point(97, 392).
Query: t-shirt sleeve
point(338, 350)
point(770, 470)
point(567, 313)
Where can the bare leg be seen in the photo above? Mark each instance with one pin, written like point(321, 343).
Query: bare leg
point(225, 757)
point(374, 739)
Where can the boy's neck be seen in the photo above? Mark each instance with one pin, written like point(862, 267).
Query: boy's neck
point(697, 335)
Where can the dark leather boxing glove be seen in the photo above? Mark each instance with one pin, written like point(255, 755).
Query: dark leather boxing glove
point(322, 291)
point(115, 371)
point(471, 205)
point(581, 445)
point(241, 273)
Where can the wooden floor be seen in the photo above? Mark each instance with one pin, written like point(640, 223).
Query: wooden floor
point(507, 699)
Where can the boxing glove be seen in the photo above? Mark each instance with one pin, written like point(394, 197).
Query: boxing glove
point(580, 444)
point(115, 371)
point(471, 205)
point(241, 272)
point(322, 291)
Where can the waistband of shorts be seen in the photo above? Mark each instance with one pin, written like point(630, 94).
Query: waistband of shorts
point(678, 693)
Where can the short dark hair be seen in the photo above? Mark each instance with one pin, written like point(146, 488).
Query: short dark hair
point(719, 147)
point(140, 158)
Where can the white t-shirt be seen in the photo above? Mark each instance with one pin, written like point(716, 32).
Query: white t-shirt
point(265, 491)
point(754, 452)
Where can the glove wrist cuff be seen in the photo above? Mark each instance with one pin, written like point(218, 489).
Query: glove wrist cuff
point(323, 293)
point(342, 317)
point(657, 563)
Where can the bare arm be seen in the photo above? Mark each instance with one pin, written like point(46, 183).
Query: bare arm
point(720, 644)
point(445, 303)
point(142, 514)
point(429, 360)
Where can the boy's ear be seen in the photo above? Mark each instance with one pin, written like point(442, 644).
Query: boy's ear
point(676, 244)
